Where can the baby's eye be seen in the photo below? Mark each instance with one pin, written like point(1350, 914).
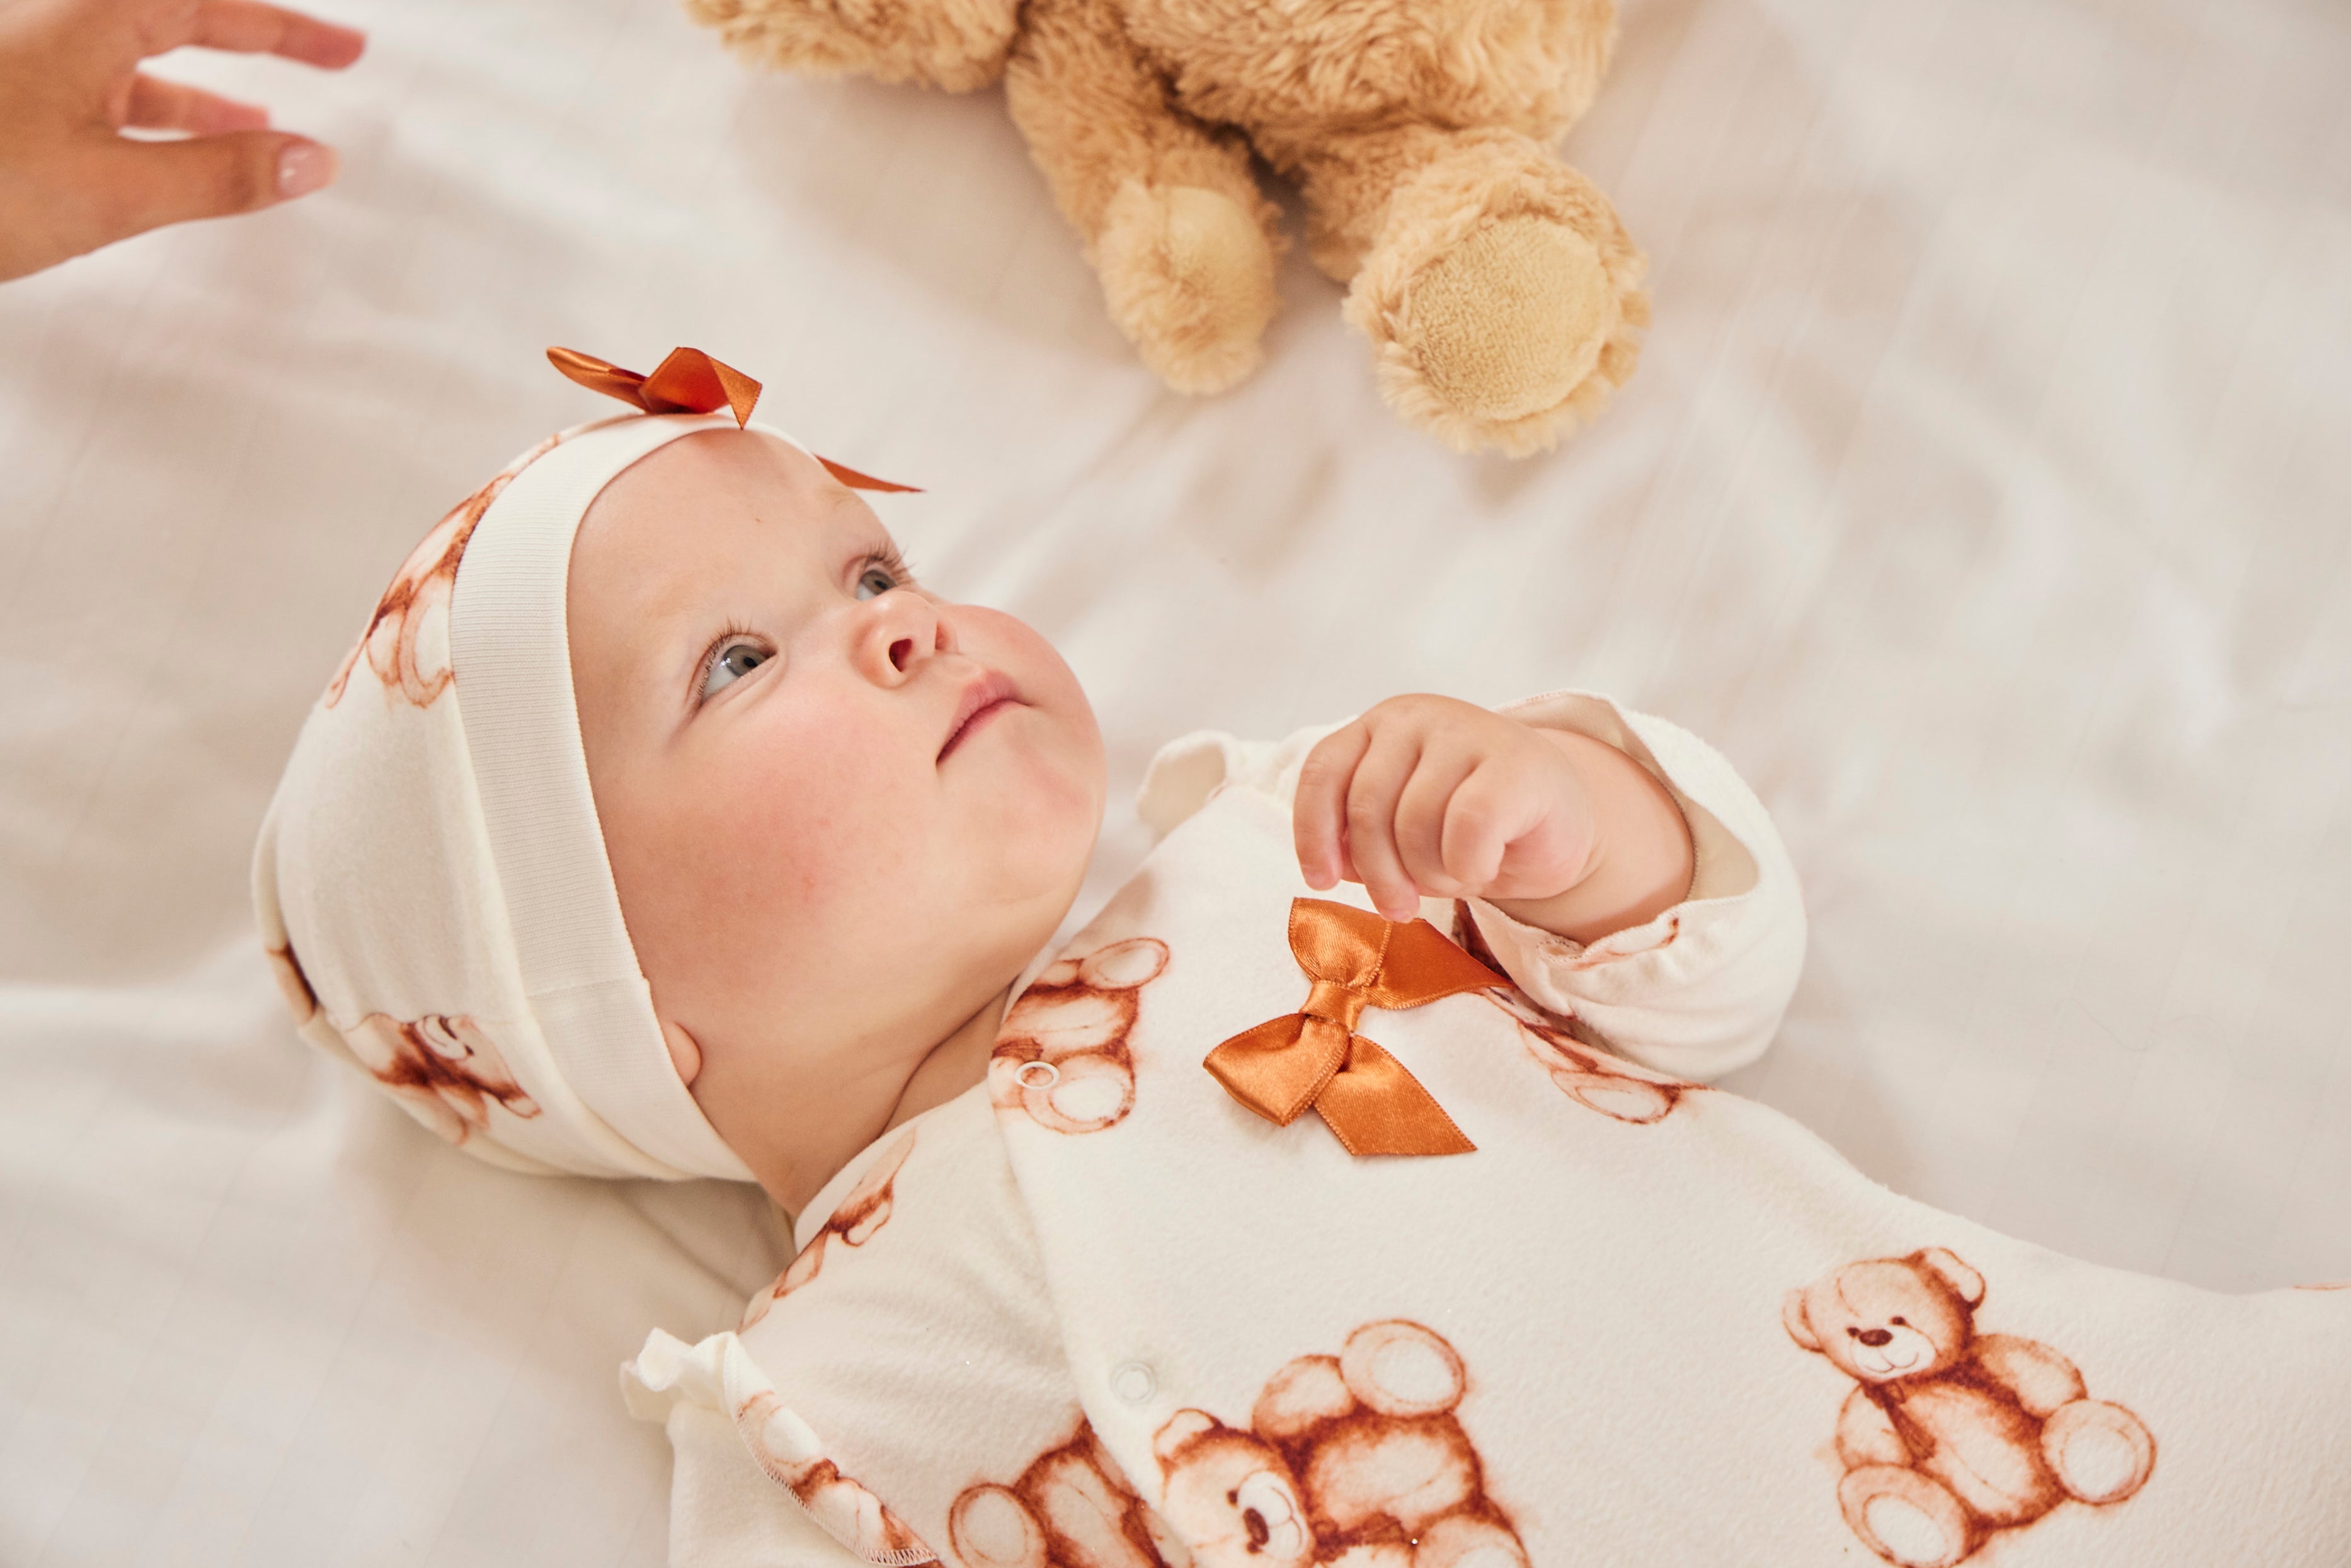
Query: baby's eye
point(882, 570)
point(735, 661)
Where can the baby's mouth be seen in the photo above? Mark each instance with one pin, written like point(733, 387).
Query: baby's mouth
point(988, 695)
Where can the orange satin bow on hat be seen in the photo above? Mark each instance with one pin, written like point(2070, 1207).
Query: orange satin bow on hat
point(691, 381)
point(1315, 1057)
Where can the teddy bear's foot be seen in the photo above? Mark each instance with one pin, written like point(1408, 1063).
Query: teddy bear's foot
point(1189, 278)
point(1905, 1517)
point(1468, 1541)
point(1503, 295)
point(1624, 1098)
point(2099, 1452)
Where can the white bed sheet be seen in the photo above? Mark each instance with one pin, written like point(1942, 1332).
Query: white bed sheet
point(1983, 494)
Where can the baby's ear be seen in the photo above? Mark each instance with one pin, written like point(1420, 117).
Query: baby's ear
point(1799, 1322)
point(684, 1052)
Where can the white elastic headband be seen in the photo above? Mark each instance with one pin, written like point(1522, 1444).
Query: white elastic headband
point(510, 650)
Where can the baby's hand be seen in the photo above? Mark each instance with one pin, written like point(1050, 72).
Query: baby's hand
point(1425, 796)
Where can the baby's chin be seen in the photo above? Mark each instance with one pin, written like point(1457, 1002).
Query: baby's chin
point(1037, 824)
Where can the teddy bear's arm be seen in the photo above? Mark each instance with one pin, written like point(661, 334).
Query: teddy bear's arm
point(958, 45)
point(1172, 217)
point(1865, 1434)
point(2040, 1379)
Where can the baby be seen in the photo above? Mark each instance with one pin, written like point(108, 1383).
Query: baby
point(661, 824)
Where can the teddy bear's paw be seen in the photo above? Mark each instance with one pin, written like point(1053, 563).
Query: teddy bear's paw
point(1468, 1541)
point(1125, 965)
point(1624, 1098)
point(1400, 1369)
point(1504, 298)
point(1905, 1517)
point(2099, 1452)
point(1189, 280)
point(1081, 1094)
point(991, 1527)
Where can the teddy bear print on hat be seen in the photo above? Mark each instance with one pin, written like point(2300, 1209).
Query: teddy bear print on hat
point(1062, 1057)
point(420, 590)
point(444, 1070)
point(1949, 1435)
point(1501, 295)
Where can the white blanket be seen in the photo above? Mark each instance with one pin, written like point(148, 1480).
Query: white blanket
point(1979, 494)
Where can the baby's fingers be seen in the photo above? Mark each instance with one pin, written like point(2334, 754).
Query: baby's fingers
point(1318, 813)
point(1422, 812)
point(1481, 818)
point(1372, 799)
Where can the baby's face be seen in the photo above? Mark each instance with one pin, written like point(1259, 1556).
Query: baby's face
point(842, 813)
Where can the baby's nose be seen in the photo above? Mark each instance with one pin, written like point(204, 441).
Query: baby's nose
point(1873, 1338)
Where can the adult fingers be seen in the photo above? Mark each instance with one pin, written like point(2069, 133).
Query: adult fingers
point(1421, 812)
point(1380, 778)
point(146, 184)
point(250, 27)
point(1318, 811)
point(154, 104)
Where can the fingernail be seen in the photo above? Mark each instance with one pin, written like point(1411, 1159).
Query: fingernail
point(304, 167)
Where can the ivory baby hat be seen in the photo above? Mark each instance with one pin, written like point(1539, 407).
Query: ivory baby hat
point(430, 880)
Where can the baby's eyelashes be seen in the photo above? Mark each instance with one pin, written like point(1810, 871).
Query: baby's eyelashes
point(730, 662)
point(882, 570)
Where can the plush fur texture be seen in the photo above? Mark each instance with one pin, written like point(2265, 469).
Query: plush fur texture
point(1501, 295)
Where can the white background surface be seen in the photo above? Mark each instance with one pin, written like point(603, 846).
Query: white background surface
point(1982, 492)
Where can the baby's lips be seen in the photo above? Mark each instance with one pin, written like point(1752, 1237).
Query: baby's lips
point(981, 692)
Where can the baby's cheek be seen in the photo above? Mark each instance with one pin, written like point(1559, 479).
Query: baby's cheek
point(829, 825)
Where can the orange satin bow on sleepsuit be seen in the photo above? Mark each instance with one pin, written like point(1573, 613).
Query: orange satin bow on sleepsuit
point(1315, 1057)
point(691, 381)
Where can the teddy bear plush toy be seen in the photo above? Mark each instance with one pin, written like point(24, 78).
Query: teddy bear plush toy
point(1951, 1435)
point(1501, 295)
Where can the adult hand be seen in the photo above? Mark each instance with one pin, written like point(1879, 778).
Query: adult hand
point(70, 85)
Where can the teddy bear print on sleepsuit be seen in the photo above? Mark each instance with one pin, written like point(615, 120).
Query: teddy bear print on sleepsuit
point(1950, 1435)
point(848, 1512)
point(1061, 1056)
point(1356, 1459)
point(1072, 1509)
point(1594, 1078)
point(1608, 1085)
point(865, 1210)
